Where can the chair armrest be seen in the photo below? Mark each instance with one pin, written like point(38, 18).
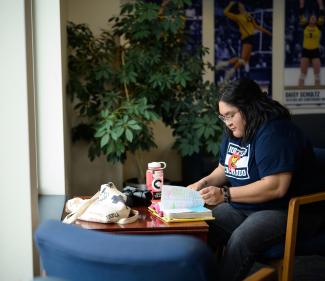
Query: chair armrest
point(307, 199)
point(264, 274)
point(291, 231)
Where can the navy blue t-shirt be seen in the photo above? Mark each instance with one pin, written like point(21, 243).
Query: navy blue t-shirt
point(278, 146)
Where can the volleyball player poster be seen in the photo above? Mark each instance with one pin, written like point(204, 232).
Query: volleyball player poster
point(304, 53)
point(243, 41)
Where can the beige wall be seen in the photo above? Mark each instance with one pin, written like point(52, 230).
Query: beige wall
point(95, 13)
point(86, 176)
point(164, 152)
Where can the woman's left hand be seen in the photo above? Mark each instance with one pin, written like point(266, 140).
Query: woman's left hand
point(212, 195)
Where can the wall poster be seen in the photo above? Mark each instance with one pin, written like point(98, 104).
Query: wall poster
point(304, 54)
point(193, 27)
point(243, 41)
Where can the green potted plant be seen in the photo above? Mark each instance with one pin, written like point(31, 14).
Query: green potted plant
point(138, 72)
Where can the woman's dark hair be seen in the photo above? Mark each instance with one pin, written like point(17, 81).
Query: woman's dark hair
point(255, 106)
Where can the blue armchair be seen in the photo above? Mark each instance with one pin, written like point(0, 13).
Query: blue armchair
point(76, 254)
point(283, 256)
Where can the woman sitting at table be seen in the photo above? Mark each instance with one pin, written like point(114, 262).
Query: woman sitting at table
point(264, 161)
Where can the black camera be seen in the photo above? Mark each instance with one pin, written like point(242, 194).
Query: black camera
point(137, 196)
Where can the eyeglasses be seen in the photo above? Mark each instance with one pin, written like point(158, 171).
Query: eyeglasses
point(228, 118)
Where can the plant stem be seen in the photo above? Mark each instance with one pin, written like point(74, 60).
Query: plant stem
point(162, 7)
point(124, 84)
point(140, 166)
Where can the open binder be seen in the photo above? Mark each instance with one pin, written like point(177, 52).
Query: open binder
point(180, 204)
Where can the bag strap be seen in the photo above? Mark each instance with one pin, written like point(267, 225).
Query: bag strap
point(133, 218)
point(72, 217)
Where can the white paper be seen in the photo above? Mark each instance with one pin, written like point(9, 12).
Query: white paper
point(176, 197)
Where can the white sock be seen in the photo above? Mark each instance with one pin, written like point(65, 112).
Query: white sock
point(221, 65)
point(241, 61)
point(302, 79)
point(229, 74)
point(246, 67)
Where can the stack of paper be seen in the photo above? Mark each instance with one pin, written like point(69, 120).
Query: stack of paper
point(187, 213)
point(179, 203)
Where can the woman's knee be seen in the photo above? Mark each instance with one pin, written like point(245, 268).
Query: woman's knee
point(226, 221)
point(242, 238)
point(227, 217)
point(259, 231)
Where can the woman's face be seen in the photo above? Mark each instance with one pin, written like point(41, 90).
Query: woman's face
point(233, 119)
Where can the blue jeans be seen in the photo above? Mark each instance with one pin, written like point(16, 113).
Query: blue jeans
point(245, 234)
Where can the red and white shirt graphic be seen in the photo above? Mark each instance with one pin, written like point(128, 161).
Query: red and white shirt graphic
point(236, 162)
